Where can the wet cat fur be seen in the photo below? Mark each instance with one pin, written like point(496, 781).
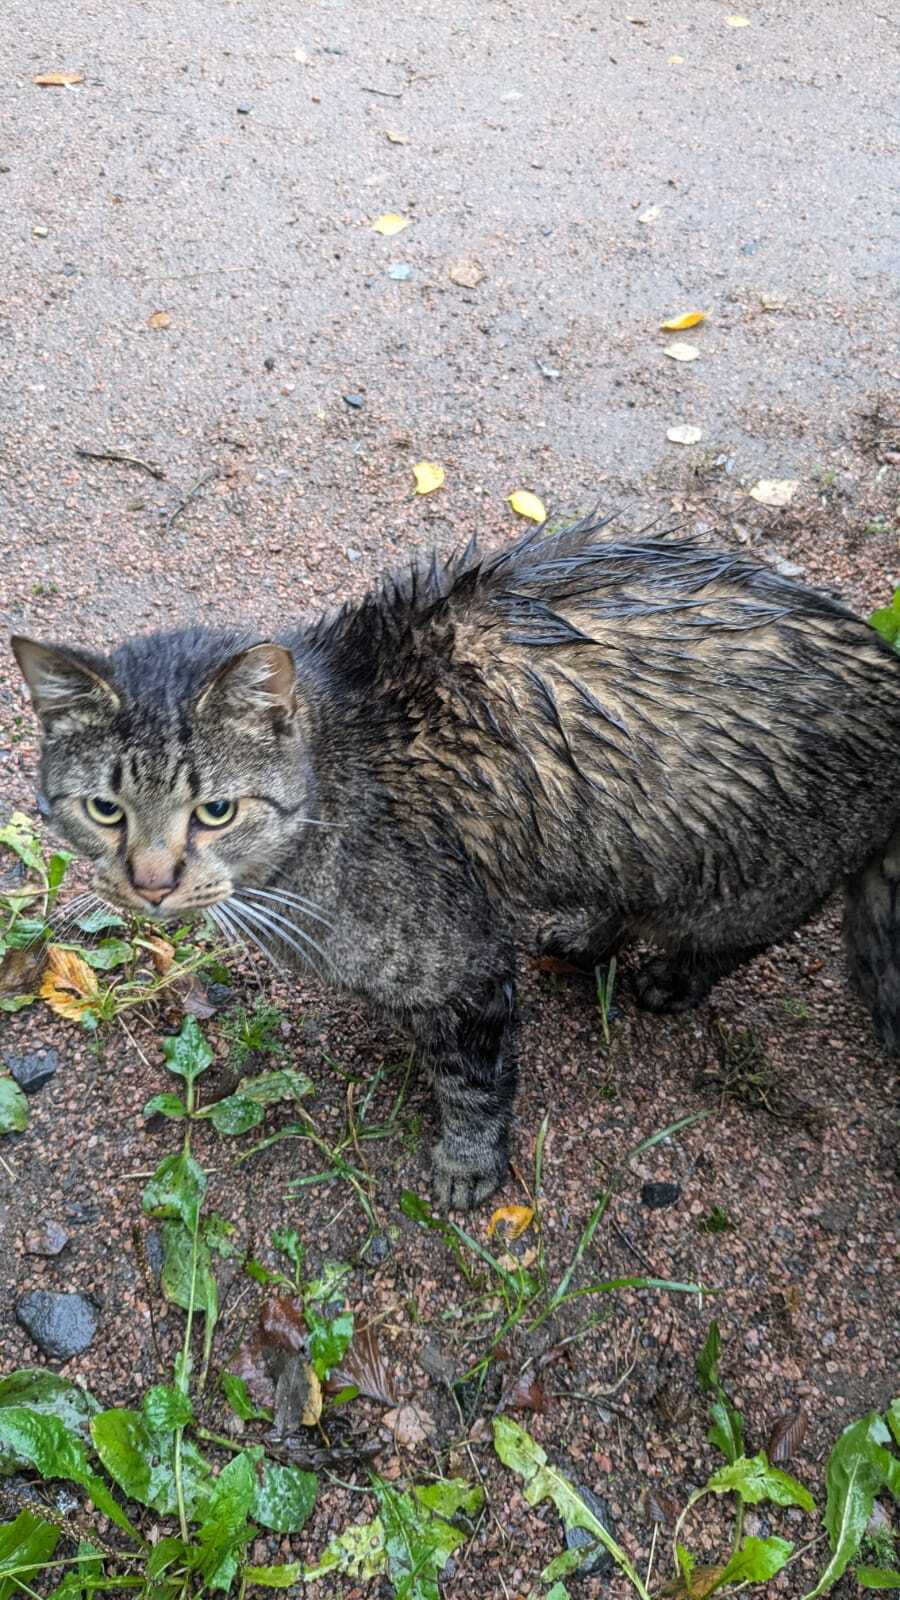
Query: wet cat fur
point(630, 738)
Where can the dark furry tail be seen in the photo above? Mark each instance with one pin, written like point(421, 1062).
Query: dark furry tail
point(872, 932)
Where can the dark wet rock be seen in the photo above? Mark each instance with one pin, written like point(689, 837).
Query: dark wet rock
point(83, 1211)
point(659, 1195)
point(47, 1239)
point(32, 1068)
point(269, 363)
point(600, 1562)
point(153, 1250)
point(354, 401)
point(378, 1251)
point(62, 1325)
point(219, 995)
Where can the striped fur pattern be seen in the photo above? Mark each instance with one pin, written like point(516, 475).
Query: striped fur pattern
point(634, 738)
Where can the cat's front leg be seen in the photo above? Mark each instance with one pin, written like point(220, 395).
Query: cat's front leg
point(470, 1049)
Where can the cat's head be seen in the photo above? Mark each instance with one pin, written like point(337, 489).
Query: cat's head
point(175, 764)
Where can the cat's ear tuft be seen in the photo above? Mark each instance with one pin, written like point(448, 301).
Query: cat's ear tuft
point(261, 679)
point(61, 685)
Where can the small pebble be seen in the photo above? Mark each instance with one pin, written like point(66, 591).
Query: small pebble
point(355, 401)
point(32, 1069)
point(62, 1325)
point(787, 569)
point(244, 109)
point(400, 272)
point(658, 1195)
point(353, 555)
point(40, 232)
point(269, 363)
point(48, 1239)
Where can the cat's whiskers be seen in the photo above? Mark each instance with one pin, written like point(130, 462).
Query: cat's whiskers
point(281, 929)
point(243, 933)
point(66, 916)
point(287, 900)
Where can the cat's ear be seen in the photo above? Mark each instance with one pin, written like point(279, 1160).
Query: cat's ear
point(61, 685)
point(261, 679)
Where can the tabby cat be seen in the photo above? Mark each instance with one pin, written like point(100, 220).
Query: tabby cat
point(630, 738)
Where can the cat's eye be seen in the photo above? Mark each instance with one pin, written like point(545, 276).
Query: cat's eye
point(215, 813)
point(106, 812)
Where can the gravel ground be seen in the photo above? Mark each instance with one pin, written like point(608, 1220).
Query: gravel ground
point(228, 175)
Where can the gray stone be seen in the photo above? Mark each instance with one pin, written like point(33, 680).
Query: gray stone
point(600, 1562)
point(62, 1325)
point(32, 1068)
point(47, 1239)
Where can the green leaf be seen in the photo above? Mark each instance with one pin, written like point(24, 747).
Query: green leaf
point(19, 835)
point(757, 1560)
point(80, 1580)
point(449, 1496)
point(853, 1477)
point(558, 1592)
point(283, 1577)
point(727, 1431)
point(57, 866)
point(288, 1241)
point(25, 1546)
point(686, 1562)
point(178, 1277)
point(418, 1544)
point(329, 1338)
point(753, 1479)
point(326, 1286)
point(225, 1531)
point(48, 1393)
point(44, 1442)
point(217, 1231)
point(887, 620)
point(893, 1418)
point(285, 1497)
point(187, 1052)
point(419, 1211)
point(235, 1114)
point(877, 1578)
point(16, 1002)
point(107, 954)
point(13, 1107)
point(267, 1088)
point(164, 1554)
point(359, 1551)
point(708, 1360)
point(524, 1455)
point(141, 1460)
point(166, 1409)
point(168, 1105)
point(25, 932)
point(96, 921)
point(238, 1396)
point(176, 1189)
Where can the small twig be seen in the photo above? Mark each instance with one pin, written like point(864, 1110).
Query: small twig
point(389, 94)
point(183, 504)
point(639, 1254)
point(121, 455)
point(7, 1169)
point(137, 1241)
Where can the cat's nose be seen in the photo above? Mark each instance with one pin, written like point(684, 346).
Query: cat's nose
point(154, 873)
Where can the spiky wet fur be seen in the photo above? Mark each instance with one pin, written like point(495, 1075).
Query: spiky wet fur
point(641, 737)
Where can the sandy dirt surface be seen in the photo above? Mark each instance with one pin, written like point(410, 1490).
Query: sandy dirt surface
point(224, 166)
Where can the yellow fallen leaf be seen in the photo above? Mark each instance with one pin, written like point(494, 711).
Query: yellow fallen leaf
point(312, 1405)
point(57, 80)
point(162, 953)
point(393, 137)
point(650, 215)
point(158, 319)
point(737, 22)
point(518, 1219)
point(684, 433)
point(526, 504)
point(69, 985)
point(429, 476)
point(775, 492)
point(678, 324)
point(679, 351)
point(391, 223)
point(466, 274)
point(676, 61)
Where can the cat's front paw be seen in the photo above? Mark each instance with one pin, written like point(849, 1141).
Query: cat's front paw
point(662, 984)
point(462, 1179)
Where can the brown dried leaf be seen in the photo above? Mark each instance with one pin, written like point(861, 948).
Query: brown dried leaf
point(162, 953)
point(467, 274)
point(260, 1360)
point(554, 964)
point(410, 1425)
point(282, 1323)
point(298, 1397)
point(704, 1581)
point(20, 970)
point(69, 984)
point(657, 1506)
point(57, 80)
point(525, 1394)
point(365, 1366)
point(158, 319)
point(787, 1436)
point(192, 997)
